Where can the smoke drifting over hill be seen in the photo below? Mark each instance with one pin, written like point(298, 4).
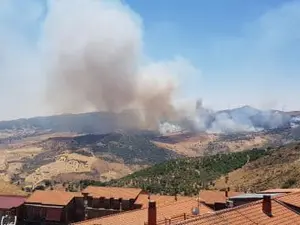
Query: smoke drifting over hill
point(243, 119)
point(93, 53)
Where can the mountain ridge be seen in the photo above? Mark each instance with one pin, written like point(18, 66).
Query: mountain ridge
point(105, 122)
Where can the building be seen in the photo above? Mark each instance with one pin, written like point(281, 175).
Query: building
point(265, 212)
point(217, 200)
point(249, 197)
point(53, 207)
point(103, 201)
point(12, 205)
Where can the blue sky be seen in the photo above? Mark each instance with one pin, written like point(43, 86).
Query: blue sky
point(247, 51)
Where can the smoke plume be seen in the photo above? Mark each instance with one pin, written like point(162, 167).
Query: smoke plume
point(94, 58)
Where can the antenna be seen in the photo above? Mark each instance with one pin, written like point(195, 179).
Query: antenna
point(195, 211)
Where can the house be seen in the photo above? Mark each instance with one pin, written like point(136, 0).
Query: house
point(217, 200)
point(53, 207)
point(163, 213)
point(265, 212)
point(12, 205)
point(103, 201)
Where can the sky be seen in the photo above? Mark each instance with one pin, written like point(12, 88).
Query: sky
point(231, 52)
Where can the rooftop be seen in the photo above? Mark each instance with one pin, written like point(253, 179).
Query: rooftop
point(248, 214)
point(160, 200)
point(253, 195)
point(212, 196)
point(112, 192)
point(11, 201)
point(140, 216)
point(281, 190)
point(54, 197)
point(291, 199)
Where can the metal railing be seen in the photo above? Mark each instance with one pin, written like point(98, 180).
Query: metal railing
point(174, 219)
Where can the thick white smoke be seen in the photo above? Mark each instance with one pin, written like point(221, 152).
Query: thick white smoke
point(244, 119)
point(93, 53)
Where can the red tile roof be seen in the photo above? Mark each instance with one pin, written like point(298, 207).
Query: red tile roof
point(160, 200)
point(11, 201)
point(249, 214)
point(112, 192)
point(140, 216)
point(60, 198)
point(281, 190)
point(291, 199)
point(211, 196)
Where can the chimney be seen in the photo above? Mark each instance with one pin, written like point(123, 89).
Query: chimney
point(152, 213)
point(266, 205)
point(226, 192)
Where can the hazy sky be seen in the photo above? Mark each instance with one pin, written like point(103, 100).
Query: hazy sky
point(232, 52)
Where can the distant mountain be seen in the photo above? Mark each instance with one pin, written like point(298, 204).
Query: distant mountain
point(243, 119)
point(240, 119)
point(95, 122)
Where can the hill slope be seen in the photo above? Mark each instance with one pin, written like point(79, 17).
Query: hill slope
point(10, 189)
point(186, 176)
point(98, 156)
point(279, 169)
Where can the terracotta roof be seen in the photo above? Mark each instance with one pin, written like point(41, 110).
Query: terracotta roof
point(160, 200)
point(281, 190)
point(11, 201)
point(112, 192)
point(248, 214)
point(291, 199)
point(54, 197)
point(140, 216)
point(211, 196)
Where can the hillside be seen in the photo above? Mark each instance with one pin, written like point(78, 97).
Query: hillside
point(62, 158)
point(10, 189)
point(280, 169)
point(186, 176)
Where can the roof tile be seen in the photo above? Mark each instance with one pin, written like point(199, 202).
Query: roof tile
point(54, 197)
point(10, 201)
point(160, 200)
point(247, 215)
point(212, 196)
point(291, 199)
point(140, 216)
